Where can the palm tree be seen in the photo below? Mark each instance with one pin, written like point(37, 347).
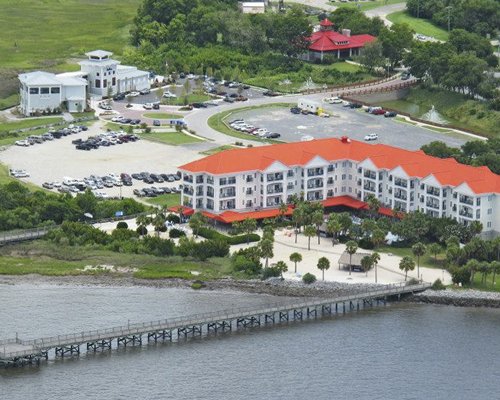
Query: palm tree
point(281, 267)
point(298, 218)
point(495, 268)
point(323, 264)
point(473, 266)
point(378, 237)
point(283, 208)
point(351, 247)
point(418, 250)
point(266, 250)
point(197, 221)
point(407, 264)
point(373, 204)
point(375, 259)
point(484, 268)
point(434, 249)
point(333, 226)
point(295, 258)
point(143, 221)
point(248, 226)
point(159, 222)
point(309, 232)
point(366, 263)
point(345, 221)
point(318, 219)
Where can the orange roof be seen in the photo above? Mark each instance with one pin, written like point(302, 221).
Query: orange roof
point(233, 216)
point(344, 201)
point(185, 210)
point(415, 163)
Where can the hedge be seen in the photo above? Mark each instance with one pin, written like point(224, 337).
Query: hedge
point(212, 234)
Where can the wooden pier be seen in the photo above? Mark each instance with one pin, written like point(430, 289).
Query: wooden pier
point(18, 352)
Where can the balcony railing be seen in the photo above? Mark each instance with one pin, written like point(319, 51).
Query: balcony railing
point(188, 179)
point(400, 196)
point(432, 205)
point(370, 175)
point(188, 191)
point(434, 192)
point(315, 172)
point(466, 214)
point(315, 186)
point(466, 200)
point(224, 195)
point(401, 182)
point(369, 188)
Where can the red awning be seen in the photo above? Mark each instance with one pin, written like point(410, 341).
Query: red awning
point(187, 211)
point(346, 201)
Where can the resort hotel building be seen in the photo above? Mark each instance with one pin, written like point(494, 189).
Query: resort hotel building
point(252, 183)
point(99, 76)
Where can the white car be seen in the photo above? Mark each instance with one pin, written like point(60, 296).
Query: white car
point(371, 136)
point(306, 138)
point(333, 100)
point(134, 94)
point(421, 37)
point(117, 119)
point(22, 143)
point(148, 106)
point(169, 95)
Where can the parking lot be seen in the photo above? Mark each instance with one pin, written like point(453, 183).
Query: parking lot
point(58, 159)
point(354, 123)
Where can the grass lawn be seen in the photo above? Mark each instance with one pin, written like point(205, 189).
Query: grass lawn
point(427, 260)
point(365, 5)
point(217, 122)
point(489, 286)
point(46, 258)
point(165, 200)
point(457, 109)
point(170, 138)
point(10, 101)
point(190, 98)
point(44, 34)
point(216, 150)
point(27, 123)
point(161, 115)
point(419, 25)
point(6, 178)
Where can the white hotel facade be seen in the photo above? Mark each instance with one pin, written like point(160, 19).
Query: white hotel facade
point(341, 172)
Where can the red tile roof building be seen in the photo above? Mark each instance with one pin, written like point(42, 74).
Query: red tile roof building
point(341, 172)
point(340, 45)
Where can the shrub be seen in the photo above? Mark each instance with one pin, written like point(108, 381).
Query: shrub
point(122, 225)
point(366, 243)
point(460, 275)
point(247, 265)
point(309, 278)
point(270, 272)
point(175, 219)
point(209, 233)
point(196, 285)
point(438, 285)
point(176, 233)
point(413, 281)
point(142, 230)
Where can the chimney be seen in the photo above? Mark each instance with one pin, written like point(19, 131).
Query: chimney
point(345, 139)
point(346, 32)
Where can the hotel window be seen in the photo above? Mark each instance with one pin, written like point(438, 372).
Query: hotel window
point(490, 210)
point(55, 90)
point(343, 177)
point(34, 90)
point(97, 74)
point(105, 83)
point(97, 83)
point(478, 214)
point(478, 201)
point(44, 90)
point(490, 197)
point(113, 81)
point(488, 224)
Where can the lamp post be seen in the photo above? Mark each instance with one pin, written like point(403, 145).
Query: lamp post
point(449, 16)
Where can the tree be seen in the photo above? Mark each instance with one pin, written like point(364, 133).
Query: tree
point(323, 264)
point(367, 263)
point(283, 208)
point(333, 226)
point(375, 260)
point(434, 249)
point(345, 221)
point(298, 218)
point(371, 56)
point(309, 232)
point(351, 247)
point(295, 258)
point(143, 221)
point(418, 250)
point(266, 250)
point(248, 225)
point(440, 149)
point(289, 32)
point(495, 269)
point(378, 237)
point(395, 41)
point(159, 93)
point(484, 268)
point(196, 222)
point(159, 222)
point(281, 267)
point(318, 219)
point(406, 264)
point(373, 204)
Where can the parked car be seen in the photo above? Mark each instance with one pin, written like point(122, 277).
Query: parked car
point(156, 122)
point(390, 114)
point(134, 94)
point(147, 106)
point(273, 135)
point(24, 143)
point(295, 110)
point(145, 91)
point(270, 93)
point(169, 95)
point(119, 96)
point(333, 100)
point(355, 105)
point(47, 185)
point(379, 112)
point(371, 136)
point(156, 106)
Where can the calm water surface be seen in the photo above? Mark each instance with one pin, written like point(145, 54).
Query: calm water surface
point(401, 351)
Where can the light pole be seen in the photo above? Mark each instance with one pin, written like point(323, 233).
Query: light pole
point(449, 16)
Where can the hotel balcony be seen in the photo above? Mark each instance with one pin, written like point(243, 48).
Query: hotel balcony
point(401, 182)
point(370, 175)
point(315, 172)
point(274, 177)
point(432, 205)
point(467, 200)
point(434, 192)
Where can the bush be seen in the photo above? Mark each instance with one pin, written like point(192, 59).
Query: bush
point(176, 233)
point(142, 230)
point(460, 275)
point(366, 243)
point(122, 225)
point(413, 281)
point(196, 285)
point(438, 285)
point(270, 272)
point(175, 219)
point(309, 278)
point(212, 234)
point(245, 264)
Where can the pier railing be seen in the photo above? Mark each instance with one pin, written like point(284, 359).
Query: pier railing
point(192, 320)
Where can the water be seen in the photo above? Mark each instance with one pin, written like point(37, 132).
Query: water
point(401, 351)
point(434, 116)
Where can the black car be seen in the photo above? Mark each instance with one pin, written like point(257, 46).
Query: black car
point(83, 147)
point(171, 178)
point(84, 127)
point(157, 178)
point(295, 110)
point(355, 105)
point(156, 106)
point(164, 176)
point(137, 176)
point(390, 114)
point(270, 93)
point(77, 141)
point(273, 135)
point(156, 122)
point(126, 121)
point(199, 105)
point(119, 96)
point(167, 190)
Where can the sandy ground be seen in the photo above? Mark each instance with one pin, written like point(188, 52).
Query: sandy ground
point(51, 161)
point(387, 271)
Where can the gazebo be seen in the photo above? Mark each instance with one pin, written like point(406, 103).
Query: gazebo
point(345, 260)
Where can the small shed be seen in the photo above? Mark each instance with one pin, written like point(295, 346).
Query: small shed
point(345, 261)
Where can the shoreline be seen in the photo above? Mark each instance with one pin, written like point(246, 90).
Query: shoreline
point(272, 287)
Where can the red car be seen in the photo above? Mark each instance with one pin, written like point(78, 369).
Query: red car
point(379, 112)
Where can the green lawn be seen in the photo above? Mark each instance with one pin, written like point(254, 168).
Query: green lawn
point(6, 126)
point(457, 109)
point(190, 98)
point(419, 25)
point(10, 101)
point(426, 260)
point(217, 122)
point(44, 34)
point(216, 150)
point(170, 138)
point(6, 178)
point(489, 286)
point(365, 5)
point(165, 200)
point(161, 115)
